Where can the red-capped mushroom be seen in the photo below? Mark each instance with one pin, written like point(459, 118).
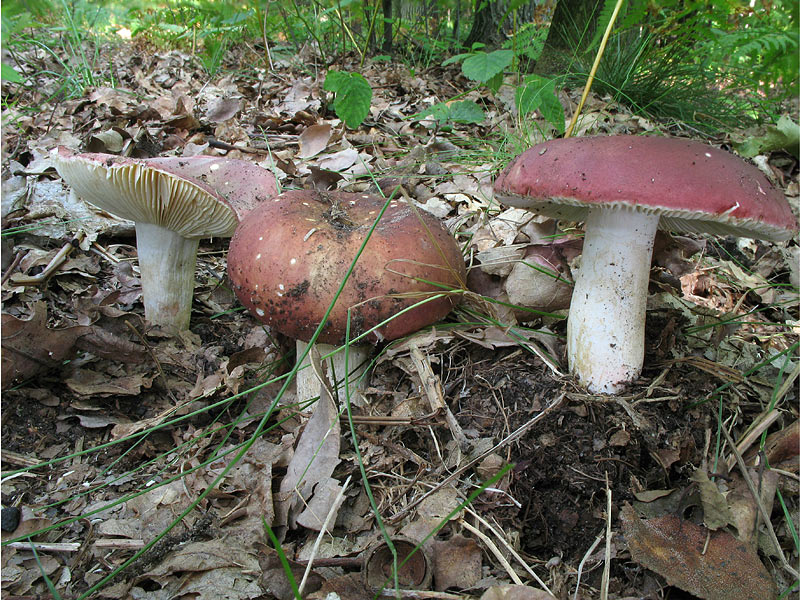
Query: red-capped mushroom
point(173, 202)
point(289, 257)
point(625, 188)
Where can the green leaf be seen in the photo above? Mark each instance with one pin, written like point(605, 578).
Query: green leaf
point(438, 112)
point(783, 136)
point(482, 66)
point(353, 96)
point(8, 73)
point(455, 59)
point(538, 93)
point(466, 111)
point(495, 82)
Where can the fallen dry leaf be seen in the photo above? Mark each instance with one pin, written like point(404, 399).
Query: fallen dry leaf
point(515, 592)
point(315, 458)
point(314, 140)
point(457, 563)
point(712, 565)
point(30, 347)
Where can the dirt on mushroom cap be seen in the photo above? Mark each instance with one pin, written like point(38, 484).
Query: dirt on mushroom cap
point(290, 255)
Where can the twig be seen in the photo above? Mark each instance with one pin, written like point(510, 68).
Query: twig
point(757, 498)
point(155, 359)
point(455, 474)
point(495, 550)
point(15, 458)
point(433, 391)
point(13, 266)
point(511, 551)
point(46, 546)
point(334, 510)
point(605, 580)
point(583, 562)
point(754, 433)
point(118, 544)
point(53, 266)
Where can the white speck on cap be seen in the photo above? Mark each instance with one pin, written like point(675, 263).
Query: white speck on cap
point(258, 256)
point(260, 312)
point(261, 238)
point(292, 261)
point(280, 287)
point(213, 167)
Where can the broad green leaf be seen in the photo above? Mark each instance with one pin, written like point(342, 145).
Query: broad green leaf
point(455, 59)
point(482, 66)
point(353, 96)
point(466, 111)
point(439, 112)
point(783, 136)
point(495, 82)
point(538, 93)
point(8, 73)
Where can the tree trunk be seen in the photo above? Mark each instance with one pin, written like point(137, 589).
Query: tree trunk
point(387, 27)
point(571, 30)
point(486, 26)
point(489, 26)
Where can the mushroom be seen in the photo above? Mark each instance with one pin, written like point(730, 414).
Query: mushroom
point(624, 188)
point(289, 257)
point(173, 202)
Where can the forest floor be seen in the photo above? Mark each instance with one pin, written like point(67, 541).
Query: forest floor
point(112, 429)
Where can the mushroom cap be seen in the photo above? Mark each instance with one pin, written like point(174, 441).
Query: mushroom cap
point(242, 183)
point(694, 187)
point(289, 256)
point(135, 190)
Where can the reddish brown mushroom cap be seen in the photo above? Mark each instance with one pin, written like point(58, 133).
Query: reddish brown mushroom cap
point(693, 186)
point(289, 256)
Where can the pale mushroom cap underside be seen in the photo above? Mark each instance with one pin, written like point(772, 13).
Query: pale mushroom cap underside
point(145, 194)
point(692, 186)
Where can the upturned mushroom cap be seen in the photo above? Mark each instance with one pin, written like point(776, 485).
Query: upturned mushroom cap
point(289, 256)
point(173, 202)
point(692, 186)
point(242, 183)
point(212, 186)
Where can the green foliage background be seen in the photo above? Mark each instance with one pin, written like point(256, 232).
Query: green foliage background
point(667, 59)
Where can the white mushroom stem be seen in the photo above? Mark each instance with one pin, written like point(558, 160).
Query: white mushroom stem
point(605, 330)
point(309, 386)
point(167, 264)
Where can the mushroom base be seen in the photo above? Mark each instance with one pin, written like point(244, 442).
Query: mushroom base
point(605, 329)
point(166, 263)
point(309, 386)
